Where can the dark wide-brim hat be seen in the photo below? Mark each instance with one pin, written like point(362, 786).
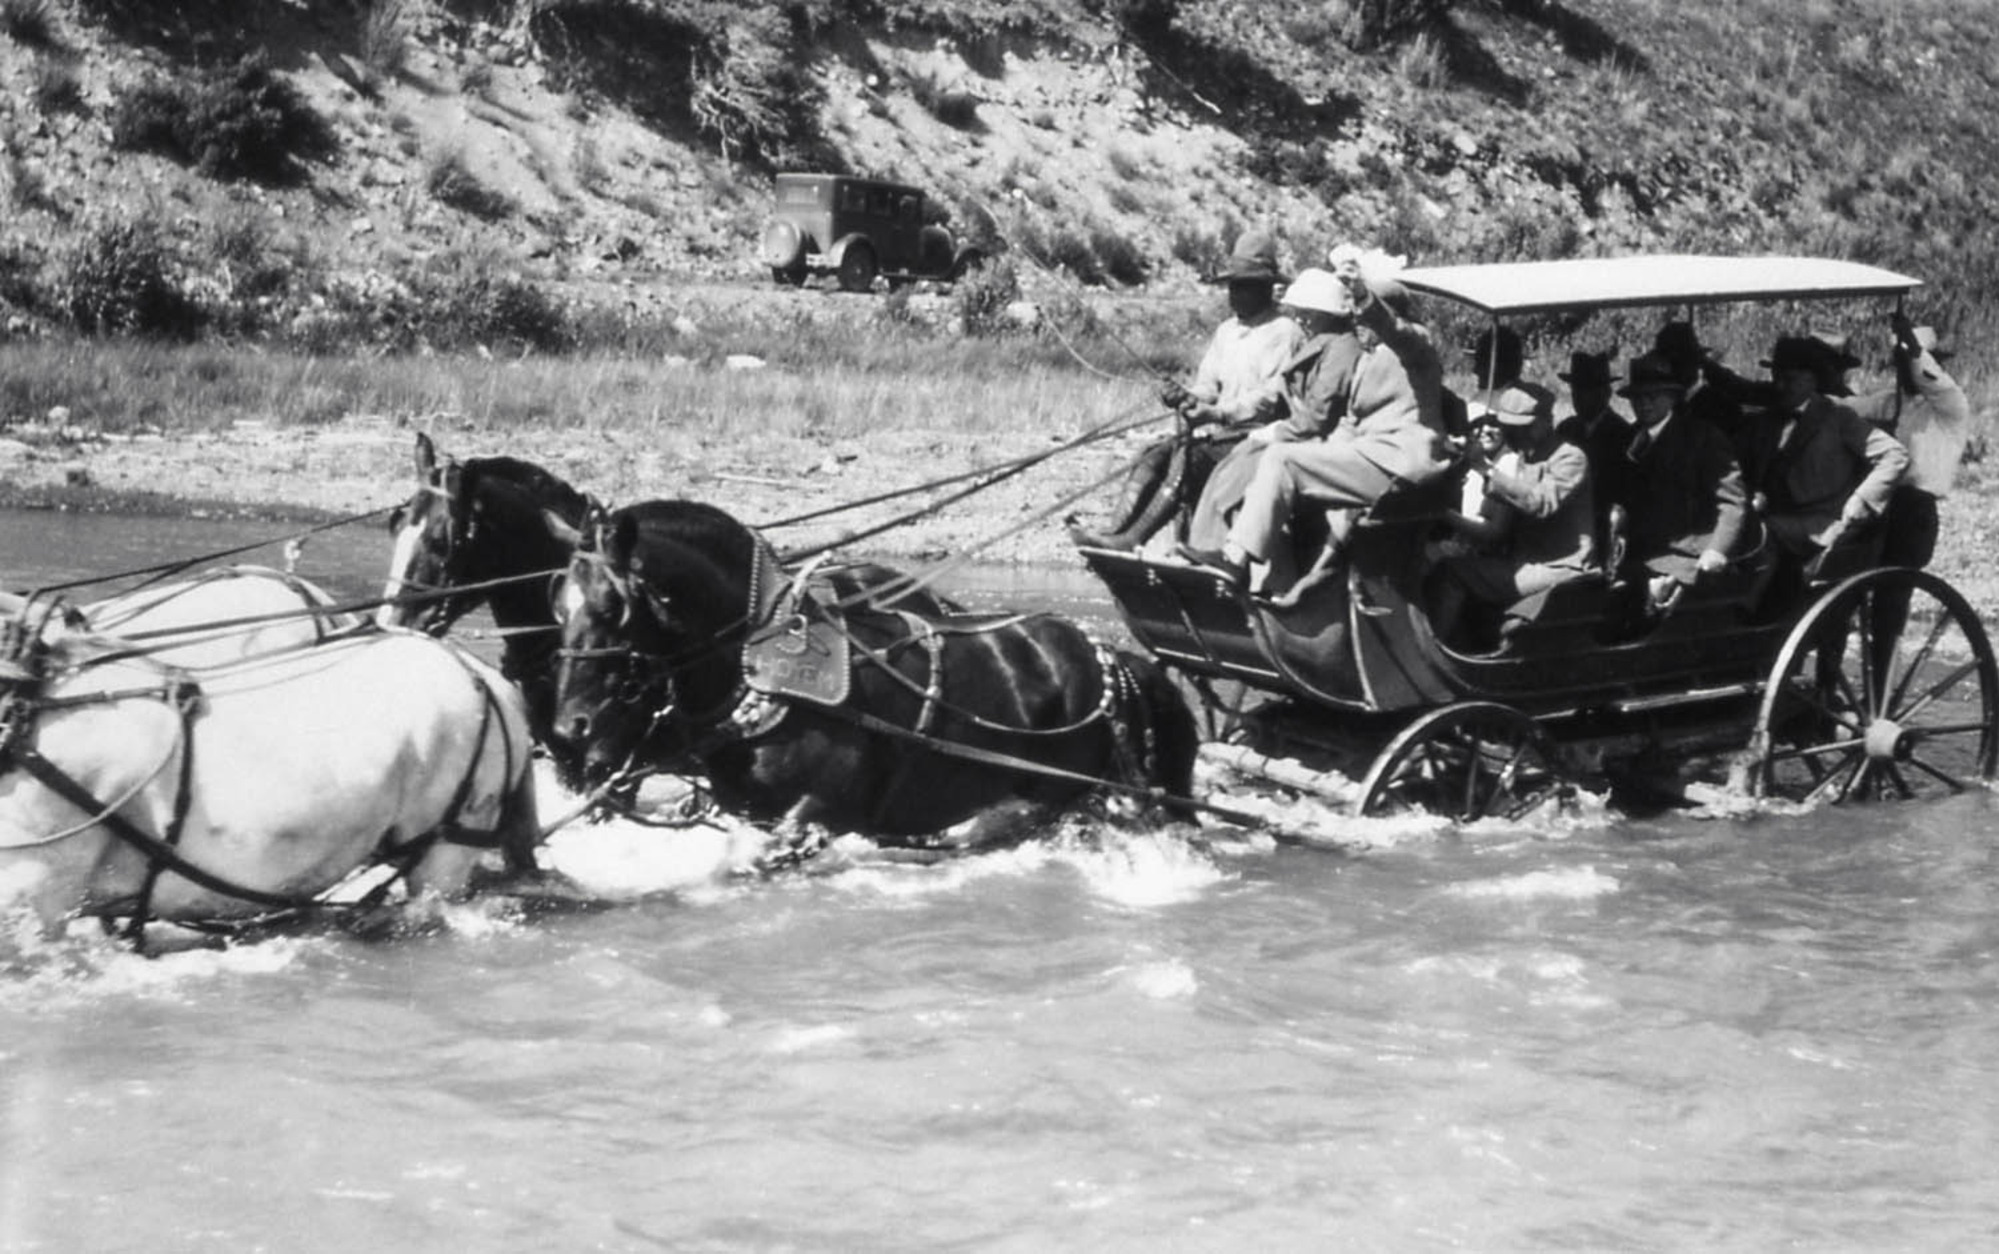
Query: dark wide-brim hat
point(1587, 370)
point(1678, 343)
point(1253, 260)
point(1651, 372)
point(1800, 352)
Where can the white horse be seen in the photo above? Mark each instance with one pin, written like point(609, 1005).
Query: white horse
point(222, 615)
point(130, 788)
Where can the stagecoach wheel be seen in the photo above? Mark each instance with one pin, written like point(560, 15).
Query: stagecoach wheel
point(1871, 701)
point(1473, 760)
point(858, 268)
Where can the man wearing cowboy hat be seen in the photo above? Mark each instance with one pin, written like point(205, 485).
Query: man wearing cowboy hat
point(1541, 529)
point(1816, 469)
point(1682, 489)
point(1315, 383)
point(1238, 385)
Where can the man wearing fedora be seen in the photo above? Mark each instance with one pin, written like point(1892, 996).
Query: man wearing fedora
point(1315, 383)
point(1539, 530)
point(1682, 489)
point(1815, 468)
point(1238, 386)
point(1712, 392)
point(1593, 425)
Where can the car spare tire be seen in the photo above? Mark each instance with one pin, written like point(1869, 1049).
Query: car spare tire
point(783, 246)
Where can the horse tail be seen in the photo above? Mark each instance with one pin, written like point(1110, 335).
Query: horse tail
point(1168, 738)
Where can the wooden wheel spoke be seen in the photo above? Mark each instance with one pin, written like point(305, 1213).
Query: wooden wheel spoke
point(1942, 776)
point(1850, 766)
point(1810, 697)
point(1797, 752)
point(1934, 691)
point(1916, 663)
point(1869, 687)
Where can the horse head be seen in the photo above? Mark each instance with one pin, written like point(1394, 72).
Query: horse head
point(468, 529)
point(426, 531)
point(653, 612)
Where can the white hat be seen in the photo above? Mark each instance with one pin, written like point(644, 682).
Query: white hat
point(1318, 289)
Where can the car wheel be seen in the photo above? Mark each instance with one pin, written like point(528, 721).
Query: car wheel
point(858, 268)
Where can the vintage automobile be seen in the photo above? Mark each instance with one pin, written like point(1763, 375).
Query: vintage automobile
point(1791, 689)
point(857, 230)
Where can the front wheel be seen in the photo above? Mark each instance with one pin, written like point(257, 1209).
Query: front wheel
point(1472, 760)
point(1885, 690)
point(858, 268)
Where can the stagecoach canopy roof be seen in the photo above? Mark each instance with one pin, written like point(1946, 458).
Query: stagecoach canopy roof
point(1516, 287)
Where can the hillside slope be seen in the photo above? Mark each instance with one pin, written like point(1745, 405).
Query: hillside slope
point(624, 147)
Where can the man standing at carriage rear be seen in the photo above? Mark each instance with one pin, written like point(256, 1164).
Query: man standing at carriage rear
point(1682, 488)
point(1817, 469)
point(1927, 411)
point(1238, 386)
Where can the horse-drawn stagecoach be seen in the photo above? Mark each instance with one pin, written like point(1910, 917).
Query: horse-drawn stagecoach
point(1808, 691)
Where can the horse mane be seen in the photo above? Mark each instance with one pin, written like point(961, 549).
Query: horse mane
point(549, 490)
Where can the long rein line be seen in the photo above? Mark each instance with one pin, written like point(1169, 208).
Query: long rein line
point(164, 569)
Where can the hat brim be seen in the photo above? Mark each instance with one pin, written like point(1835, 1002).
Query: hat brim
point(1642, 388)
point(1220, 277)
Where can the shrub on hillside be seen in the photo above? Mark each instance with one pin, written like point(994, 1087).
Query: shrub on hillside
point(57, 89)
point(982, 297)
point(500, 312)
point(453, 184)
point(121, 280)
point(29, 22)
point(242, 122)
point(1119, 258)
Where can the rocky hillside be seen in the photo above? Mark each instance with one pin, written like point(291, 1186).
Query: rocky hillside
point(621, 150)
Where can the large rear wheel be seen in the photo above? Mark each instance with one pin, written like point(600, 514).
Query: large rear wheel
point(1885, 690)
point(1472, 760)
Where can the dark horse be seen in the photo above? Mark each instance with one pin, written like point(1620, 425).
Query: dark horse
point(495, 531)
point(685, 641)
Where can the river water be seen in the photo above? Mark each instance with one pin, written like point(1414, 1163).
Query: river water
point(1691, 1033)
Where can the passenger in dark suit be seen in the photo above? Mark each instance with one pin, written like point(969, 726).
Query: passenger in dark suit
point(1595, 428)
point(1816, 468)
point(1711, 396)
point(1682, 488)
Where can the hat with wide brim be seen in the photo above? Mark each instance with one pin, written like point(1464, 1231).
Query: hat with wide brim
point(1798, 352)
point(1587, 370)
point(1253, 260)
point(1651, 372)
point(1677, 342)
point(1838, 349)
point(1319, 290)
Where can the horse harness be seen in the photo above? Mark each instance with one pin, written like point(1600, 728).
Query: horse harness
point(22, 663)
point(801, 648)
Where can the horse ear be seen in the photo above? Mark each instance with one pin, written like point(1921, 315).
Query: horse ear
point(561, 530)
point(426, 457)
point(622, 538)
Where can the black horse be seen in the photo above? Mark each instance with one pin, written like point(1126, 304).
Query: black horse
point(496, 531)
point(685, 643)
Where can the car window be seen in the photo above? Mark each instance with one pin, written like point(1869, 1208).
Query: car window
point(909, 211)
